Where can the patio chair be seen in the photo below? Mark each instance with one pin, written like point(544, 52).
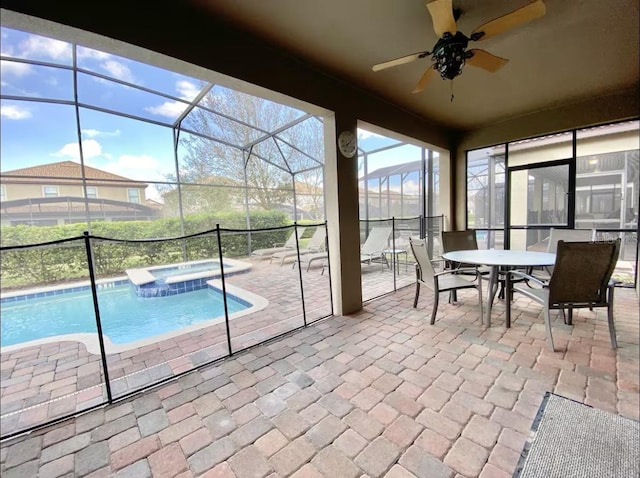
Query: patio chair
point(460, 241)
point(580, 278)
point(279, 247)
point(373, 248)
point(437, 282)
point(315, 244)
point(566, 235)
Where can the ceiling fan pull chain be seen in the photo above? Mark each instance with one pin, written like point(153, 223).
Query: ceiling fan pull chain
point(451, 91)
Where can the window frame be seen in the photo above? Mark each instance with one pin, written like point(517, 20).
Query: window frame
point(48, 195)
point(139, 199)
point(86, 192)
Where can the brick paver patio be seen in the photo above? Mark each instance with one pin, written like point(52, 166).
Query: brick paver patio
point(379, 393)
point(54, 380)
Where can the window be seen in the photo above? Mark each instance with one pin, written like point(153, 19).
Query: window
point(3, 193)
point(134, 195)
point(50, 191)
point(91, 192)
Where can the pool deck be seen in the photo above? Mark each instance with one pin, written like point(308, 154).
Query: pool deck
point(43, 382)
point(380, 392)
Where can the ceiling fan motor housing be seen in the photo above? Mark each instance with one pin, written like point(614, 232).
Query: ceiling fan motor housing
point(449, 54)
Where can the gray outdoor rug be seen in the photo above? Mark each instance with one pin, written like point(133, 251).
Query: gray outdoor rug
point(570, 439)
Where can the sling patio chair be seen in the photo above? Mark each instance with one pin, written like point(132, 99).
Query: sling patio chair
point(461, 241)
point(445, 281)
point(290, 244)
point(580, 279)
point(315, 244)
point(566, 235)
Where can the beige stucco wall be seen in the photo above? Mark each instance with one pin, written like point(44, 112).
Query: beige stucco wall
point(26, 191)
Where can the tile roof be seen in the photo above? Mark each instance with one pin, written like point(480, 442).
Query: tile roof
point(68, 171)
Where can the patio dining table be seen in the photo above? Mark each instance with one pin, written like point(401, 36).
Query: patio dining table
point(499, 258)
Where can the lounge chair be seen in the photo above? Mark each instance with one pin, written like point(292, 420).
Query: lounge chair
point(312, 257)
point(290, 244)
point(373, 248)
point(316, 244)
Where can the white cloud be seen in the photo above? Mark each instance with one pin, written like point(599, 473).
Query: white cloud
point(90, 149)
point(187, 90)
point(172, 109)
point(15, 69)
point(364, 134)
point(118, 70)
point(169, 109)
point(140, 168)
point(92, 133)
point(14, 112)
point(84, 52)
point(36, 46)
point(408, 187)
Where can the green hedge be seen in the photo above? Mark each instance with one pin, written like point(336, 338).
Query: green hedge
point(68, 261)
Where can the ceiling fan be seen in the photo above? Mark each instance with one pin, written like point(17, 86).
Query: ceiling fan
point(450, 53)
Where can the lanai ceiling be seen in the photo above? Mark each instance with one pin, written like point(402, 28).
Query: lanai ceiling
point(581, 49)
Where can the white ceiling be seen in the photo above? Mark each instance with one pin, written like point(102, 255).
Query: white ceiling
point(579, 50)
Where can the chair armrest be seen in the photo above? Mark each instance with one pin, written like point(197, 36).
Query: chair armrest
point(527, 278)
point(456, 272)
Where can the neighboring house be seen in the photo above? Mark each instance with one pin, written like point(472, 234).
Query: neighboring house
point(54, 194)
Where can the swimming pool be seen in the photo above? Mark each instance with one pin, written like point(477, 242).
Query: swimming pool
point(125, 316)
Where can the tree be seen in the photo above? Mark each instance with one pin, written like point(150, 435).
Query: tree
point(266, 166)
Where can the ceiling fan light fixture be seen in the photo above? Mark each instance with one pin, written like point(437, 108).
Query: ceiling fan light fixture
point(450, 54)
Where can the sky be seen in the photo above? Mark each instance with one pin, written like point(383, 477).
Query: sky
point(34, 133)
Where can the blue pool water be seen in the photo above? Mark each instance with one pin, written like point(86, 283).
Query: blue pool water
point(125, 316)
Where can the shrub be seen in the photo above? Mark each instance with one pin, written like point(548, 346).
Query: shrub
point(66, 261)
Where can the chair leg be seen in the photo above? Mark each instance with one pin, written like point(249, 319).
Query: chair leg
point(508, 294)
point(415, 301)
point(570, 316)
point(453, 297)
point(479, 287)
point(547, 324)
point(612, 327)
point(436, 297)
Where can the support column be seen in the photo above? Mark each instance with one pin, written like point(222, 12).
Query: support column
point(343, 227)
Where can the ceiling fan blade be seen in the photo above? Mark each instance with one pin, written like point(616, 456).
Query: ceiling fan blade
point(485, 60)
point(525, 14)
point(442, 15)
point(400, 61)
point(426, 78)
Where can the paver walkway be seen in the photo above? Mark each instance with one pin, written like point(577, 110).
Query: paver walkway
point(379, 393)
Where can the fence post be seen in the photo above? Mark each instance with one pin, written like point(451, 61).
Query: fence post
point(326, 247)
point(393, 250)
point(96, 309)
point(224, 289)
point(304, 310)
